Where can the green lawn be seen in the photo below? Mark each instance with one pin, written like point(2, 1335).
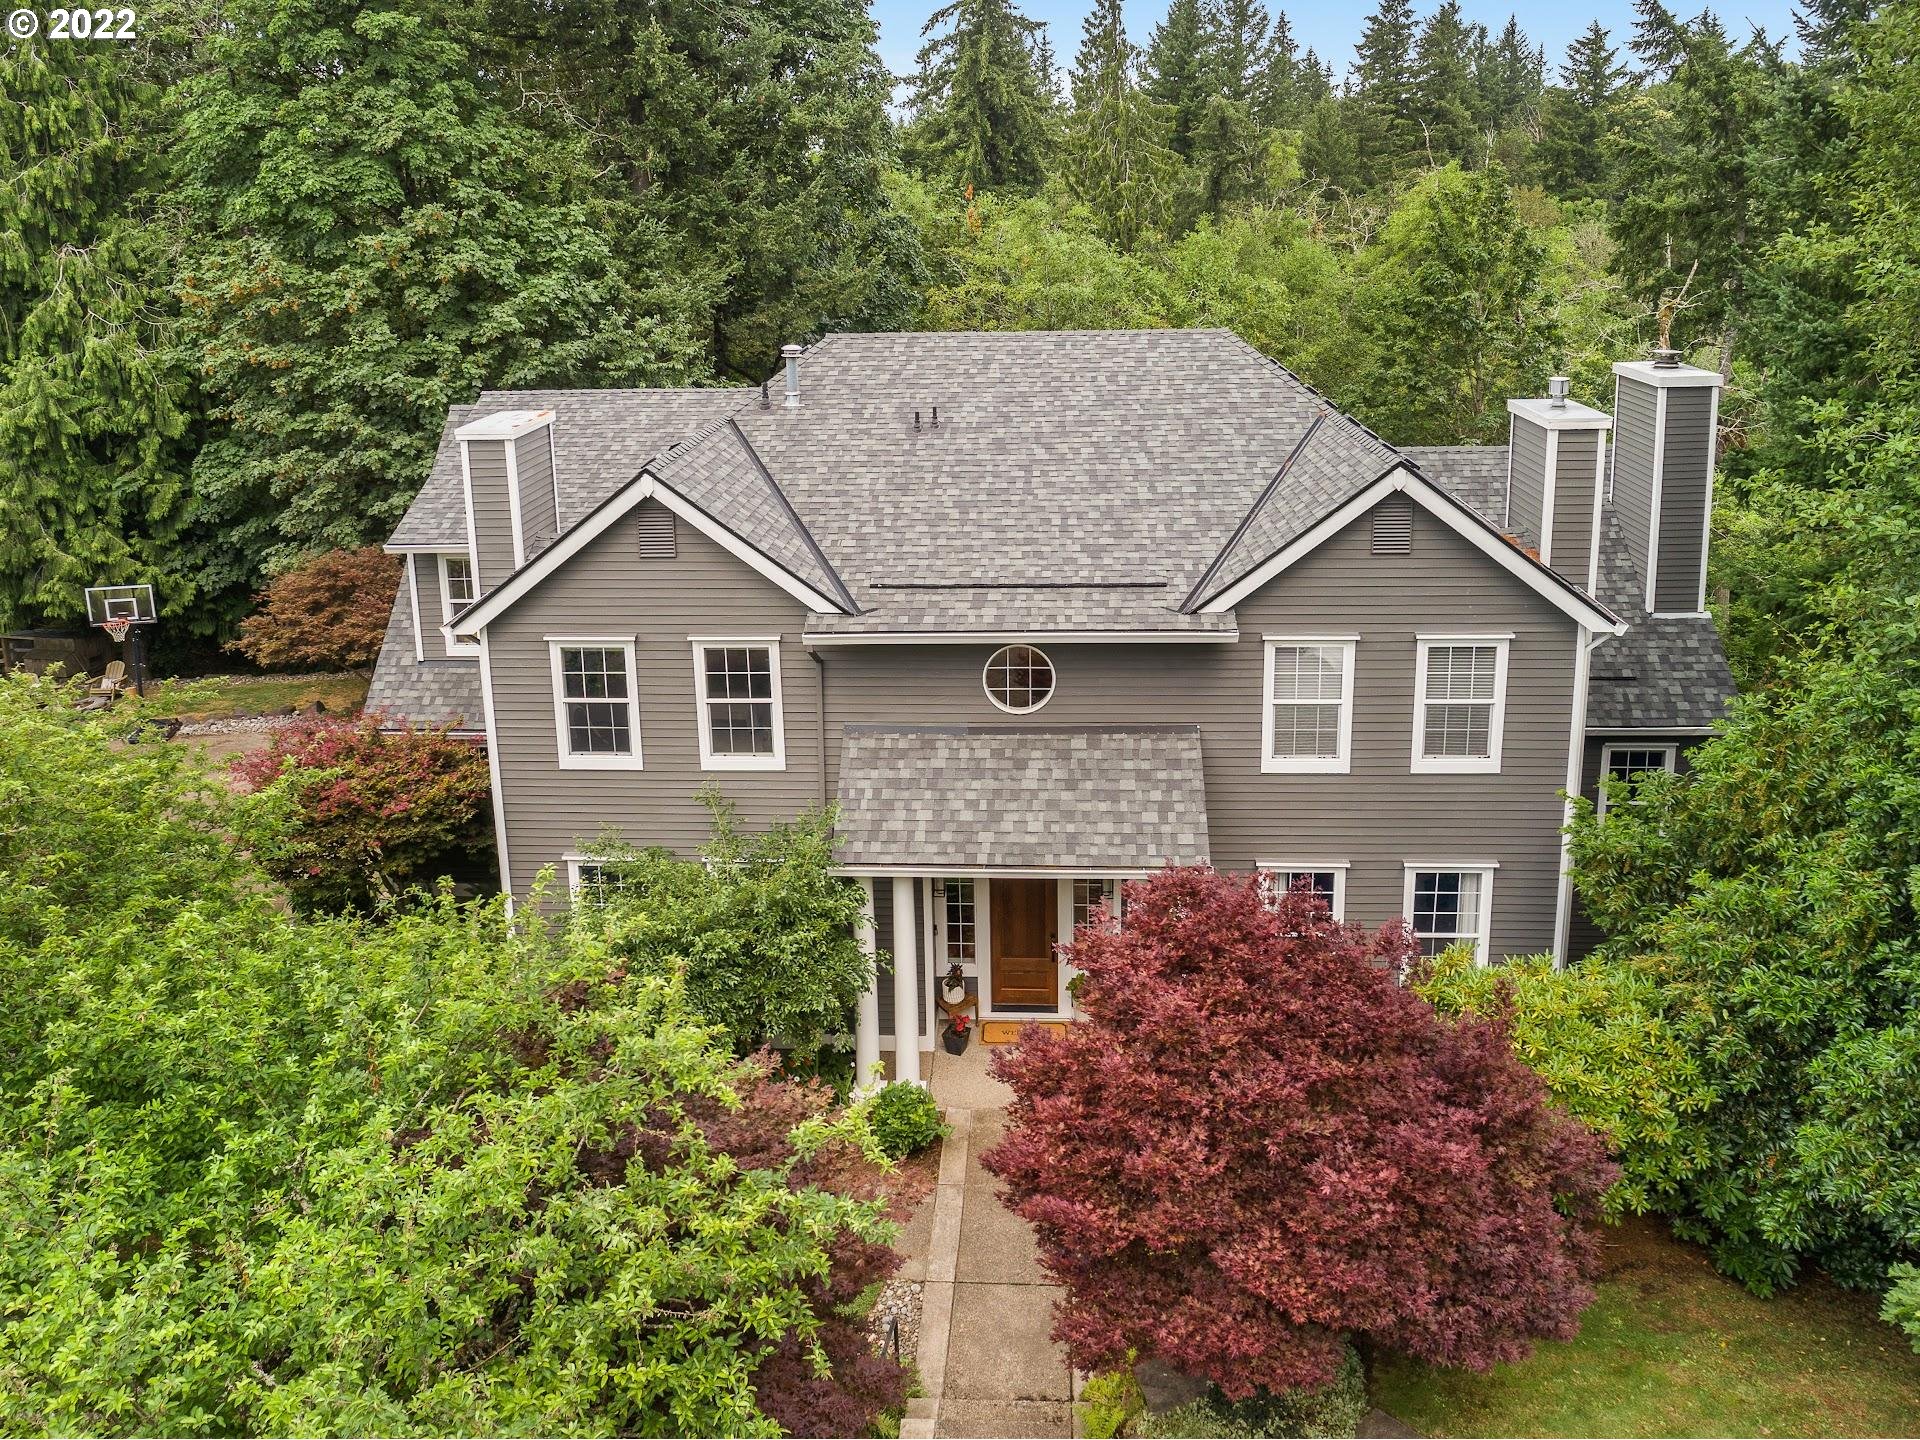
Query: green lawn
point(220, 697)
point(1672, 1348)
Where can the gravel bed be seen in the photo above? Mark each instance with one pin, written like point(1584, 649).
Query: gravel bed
point(899, 1300)
point(237, 724)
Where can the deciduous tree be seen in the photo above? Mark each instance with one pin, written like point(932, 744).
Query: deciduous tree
point(1257, 1143)
point(329, 611)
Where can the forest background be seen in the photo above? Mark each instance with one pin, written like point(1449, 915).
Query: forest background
point(248, 260)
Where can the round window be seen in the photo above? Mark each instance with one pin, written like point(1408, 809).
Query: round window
point(1019, 679)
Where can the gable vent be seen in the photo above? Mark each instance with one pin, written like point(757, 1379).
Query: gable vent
point(656, 533)
point(1393, 525)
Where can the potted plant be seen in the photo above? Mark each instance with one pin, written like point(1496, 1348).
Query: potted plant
point(953, 985)
point(959, 1031)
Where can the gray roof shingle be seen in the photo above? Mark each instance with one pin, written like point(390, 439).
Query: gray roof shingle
point(1666, 672)
point(1475, 475)
point(423, 692)
point(601, 438)
point(1093, 798)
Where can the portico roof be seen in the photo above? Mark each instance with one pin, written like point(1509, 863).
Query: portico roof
point(967, 799)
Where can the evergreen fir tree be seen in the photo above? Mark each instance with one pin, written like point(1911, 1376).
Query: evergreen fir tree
point(982, 96)
point(1443, 96)
point(742, 149)
point(1119, 162)
point(1239, 37)
point(1509, 74)
point(379, 236)
point(1177, 73)
point(1685, 169)
point(1577, 116)
point(1382, 88)
point(94, 407)
point(1281, 89)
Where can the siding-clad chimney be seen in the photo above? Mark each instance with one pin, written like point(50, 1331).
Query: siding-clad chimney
point(1662, 488)
point(1556, 458)
point(506, 462)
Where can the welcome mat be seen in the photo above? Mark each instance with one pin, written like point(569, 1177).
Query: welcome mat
point(1006, 1032)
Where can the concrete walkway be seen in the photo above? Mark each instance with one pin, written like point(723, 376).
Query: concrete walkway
point(987, 1364)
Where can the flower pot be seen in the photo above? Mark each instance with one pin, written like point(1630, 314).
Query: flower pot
point(956, 1040)
point(953, 994)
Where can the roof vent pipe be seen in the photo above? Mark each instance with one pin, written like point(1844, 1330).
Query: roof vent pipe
point(791, 354)
point(1557, 392)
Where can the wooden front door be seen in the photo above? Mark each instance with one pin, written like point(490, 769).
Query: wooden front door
point(1025, 926)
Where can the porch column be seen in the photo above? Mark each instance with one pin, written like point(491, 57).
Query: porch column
point(906, 984)
point(866, 1029)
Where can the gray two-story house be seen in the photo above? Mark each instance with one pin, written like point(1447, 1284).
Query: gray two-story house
point(1041, 612)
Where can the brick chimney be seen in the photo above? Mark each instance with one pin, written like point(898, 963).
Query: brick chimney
point(1664, 444)
point(1556, 462)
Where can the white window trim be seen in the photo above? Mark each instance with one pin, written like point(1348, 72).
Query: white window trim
point(1339, 764)
point(574, 862)
point(568, 760)
point(447, 612)
point(1672, 752)
point(1482, 954)
point(1338, 868)
point(1488, 764)
point(709, 760)
point(1002, 705)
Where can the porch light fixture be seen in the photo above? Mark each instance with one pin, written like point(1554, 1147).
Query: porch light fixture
point(1019, 679)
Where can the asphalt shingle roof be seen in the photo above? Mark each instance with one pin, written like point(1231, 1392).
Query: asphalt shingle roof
point(601, 438)
point(1666, 671)
point(1475, 475)
point(1095, 798)
point(423, 692)
point(1074, 480)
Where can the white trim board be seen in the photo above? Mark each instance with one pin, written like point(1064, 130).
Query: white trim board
point(1535, 576)
point(493, 769)
point(591, 760)
point(823, 639)
point(1341, 761)
point(645, 487)
point(702, 703)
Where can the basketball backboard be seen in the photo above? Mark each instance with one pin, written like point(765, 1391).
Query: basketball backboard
point(120, 602)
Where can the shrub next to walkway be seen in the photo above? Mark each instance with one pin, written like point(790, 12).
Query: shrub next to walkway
point(1258, 1144)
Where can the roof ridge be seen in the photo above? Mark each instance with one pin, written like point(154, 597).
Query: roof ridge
point(1259, 501)
point(827, 567)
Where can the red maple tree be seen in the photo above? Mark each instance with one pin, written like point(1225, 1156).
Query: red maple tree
point(1258, 1144)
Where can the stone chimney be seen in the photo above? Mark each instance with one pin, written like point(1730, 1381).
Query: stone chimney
point(1556, 463)
point(1665, 419)
point(513, 503)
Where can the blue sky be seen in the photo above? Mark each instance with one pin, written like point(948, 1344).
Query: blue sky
point(1332, 28)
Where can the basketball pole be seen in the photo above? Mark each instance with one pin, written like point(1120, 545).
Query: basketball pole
point(137, 656)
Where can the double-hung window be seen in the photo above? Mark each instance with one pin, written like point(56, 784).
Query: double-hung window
point(596, 709)
point(1450, 905)
point(737, 690)
point(1307, 726)
point(457, 591)
point(1325, 879)
point(1460, 703)
point(1624, 766)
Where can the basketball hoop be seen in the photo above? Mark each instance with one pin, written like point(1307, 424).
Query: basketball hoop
point(117, 627)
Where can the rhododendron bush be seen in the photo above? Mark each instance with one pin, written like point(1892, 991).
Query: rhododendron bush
point(1258, 1144)
point(366, 813)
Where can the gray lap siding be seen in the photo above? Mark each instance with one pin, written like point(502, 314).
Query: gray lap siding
point(608, 591)
point(1374, 819)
